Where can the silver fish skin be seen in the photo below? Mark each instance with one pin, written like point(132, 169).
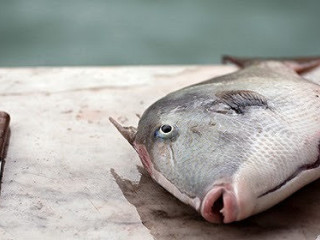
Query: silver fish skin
point(235, 145)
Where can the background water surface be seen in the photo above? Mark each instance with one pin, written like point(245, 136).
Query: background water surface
point(135, 32)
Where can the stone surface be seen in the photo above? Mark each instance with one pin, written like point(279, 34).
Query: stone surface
point(70, 175)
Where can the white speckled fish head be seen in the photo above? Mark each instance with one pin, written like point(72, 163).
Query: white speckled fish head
point(192, 143)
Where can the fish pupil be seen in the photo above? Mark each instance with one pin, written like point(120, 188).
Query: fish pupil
point(166, 128)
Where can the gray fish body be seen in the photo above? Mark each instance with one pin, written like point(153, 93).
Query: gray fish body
point(238, 144)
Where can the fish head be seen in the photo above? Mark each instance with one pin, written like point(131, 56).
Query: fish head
point(181, 147)
point(190, 153)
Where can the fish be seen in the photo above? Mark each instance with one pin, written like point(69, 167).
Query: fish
point(238, 144)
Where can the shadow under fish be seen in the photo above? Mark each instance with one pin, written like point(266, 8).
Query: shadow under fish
point(166, 217)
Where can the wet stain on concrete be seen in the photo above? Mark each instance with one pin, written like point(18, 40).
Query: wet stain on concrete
point(298, 217)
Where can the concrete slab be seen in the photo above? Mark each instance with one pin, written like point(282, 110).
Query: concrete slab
point(70, 175)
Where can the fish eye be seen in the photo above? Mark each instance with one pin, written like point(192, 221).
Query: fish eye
point(166, 131)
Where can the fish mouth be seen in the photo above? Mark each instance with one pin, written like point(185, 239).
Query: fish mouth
point(220, 205)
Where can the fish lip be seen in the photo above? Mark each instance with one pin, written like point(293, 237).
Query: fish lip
point(228, 213)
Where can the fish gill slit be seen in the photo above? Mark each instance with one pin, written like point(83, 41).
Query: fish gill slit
point(301, 169)
point(172, 157)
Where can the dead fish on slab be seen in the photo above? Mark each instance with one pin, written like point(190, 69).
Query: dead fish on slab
point(237, 144)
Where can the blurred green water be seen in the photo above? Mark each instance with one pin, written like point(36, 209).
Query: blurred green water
point(135, 32)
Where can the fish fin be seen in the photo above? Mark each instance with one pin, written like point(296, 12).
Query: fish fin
point(300, 65)
point(237, 101)
point(129, 133)
point(240, 62)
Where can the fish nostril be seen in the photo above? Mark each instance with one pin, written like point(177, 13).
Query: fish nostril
point(217, 207)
